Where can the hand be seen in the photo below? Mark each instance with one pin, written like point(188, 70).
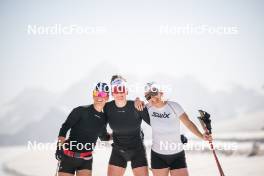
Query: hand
point(110, 136)
point(184, 139)
point(61, 139)
point(59, 151)
point(207, 137)
point(139, 105)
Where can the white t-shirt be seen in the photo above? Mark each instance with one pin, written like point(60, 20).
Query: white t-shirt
point(165, 125)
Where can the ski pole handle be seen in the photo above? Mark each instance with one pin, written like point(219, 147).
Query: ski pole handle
point(205, 121)
point(203, 125)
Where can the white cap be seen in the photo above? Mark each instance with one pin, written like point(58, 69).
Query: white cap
point(118, 82)
point(151, 87)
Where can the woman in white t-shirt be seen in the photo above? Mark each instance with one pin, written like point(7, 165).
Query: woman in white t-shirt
point(167, 154)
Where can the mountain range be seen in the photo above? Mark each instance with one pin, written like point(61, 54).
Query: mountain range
point(37, 114)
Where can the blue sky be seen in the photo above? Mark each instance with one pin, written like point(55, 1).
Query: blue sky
point(132, 42)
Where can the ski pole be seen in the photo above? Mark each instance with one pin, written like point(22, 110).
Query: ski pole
point(206, 125)
point(57, 169)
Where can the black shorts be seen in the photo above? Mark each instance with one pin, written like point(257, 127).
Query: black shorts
point(120, 158)
point(175, 161)
point(71, 165)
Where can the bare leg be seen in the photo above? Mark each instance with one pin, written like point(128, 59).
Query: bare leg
point(160, 172)
point(115, 170)
point(65, 174)
point(84, 172)
point(141, 171)
point(179, 172)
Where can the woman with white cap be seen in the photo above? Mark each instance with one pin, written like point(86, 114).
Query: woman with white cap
point(125, 121)
point(167, 154)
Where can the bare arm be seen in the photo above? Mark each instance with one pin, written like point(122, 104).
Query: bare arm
point(193, 128)
point(139, 105)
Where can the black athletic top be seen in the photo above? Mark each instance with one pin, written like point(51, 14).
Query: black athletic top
point(86, 126)
point(126, 124)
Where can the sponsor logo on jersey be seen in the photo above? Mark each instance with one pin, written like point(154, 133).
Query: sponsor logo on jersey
point(161, 115)
point(99, 117)
point(121, 111)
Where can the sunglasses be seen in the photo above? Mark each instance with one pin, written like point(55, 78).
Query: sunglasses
point(100, 94)
point(149, 95)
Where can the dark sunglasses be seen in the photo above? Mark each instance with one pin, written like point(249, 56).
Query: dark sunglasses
point(149, 95)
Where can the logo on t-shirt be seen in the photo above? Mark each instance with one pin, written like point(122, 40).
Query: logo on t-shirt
point(161, 115)
point(121, 111)
point(99, 117)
